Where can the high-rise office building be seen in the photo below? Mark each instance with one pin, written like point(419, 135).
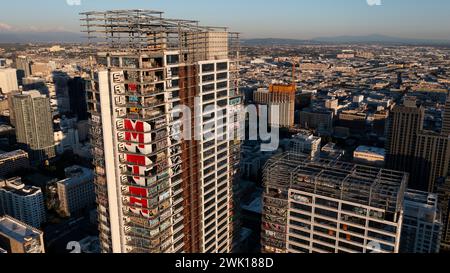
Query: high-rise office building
point(25, 203)
point(77, 97)
point(328, 206)
point(23, 65)
point(410, 148)
point(158, 192)
point(405, 121)
point(431, 160)
point(8, 81)
point(422, 223)
point(446, 117)
point(34, 125)
point(18, 237)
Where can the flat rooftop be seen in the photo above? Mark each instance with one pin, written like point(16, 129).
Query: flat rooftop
point(77, 175)
point(16, 186)
point(15, 153)
point(371, 150)
point(420, 198)
point(17, 230)
point(370, 186)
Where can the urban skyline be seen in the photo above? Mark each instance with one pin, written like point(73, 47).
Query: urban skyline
point(292, 19)
point(175, 134)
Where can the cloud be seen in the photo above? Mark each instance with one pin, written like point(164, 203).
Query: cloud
point(30, 28)
point(42, 29)
point(374, 2)
point(4, 26)
point(73, 2)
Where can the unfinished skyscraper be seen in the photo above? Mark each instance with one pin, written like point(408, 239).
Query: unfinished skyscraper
point(328, 206)
point(282, 96)
point(158, 192)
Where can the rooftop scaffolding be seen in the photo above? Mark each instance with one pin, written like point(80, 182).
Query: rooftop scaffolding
point(147, 31)
point(370, 186)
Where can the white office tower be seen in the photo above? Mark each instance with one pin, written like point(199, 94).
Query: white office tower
point(159, 188)
point(422, 223)
point(76, 192)
point(8, 80)
point(328, 206)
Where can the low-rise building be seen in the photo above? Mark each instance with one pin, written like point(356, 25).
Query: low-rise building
point(331, 151)
point(369, 155)
point(11, 162)
point(305, 142)
point(18, 237)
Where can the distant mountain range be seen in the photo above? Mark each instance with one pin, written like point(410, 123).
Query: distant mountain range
point(72, 37)
point(376, 38)
point(40, 37)
point(368, 39)
point(276, 41)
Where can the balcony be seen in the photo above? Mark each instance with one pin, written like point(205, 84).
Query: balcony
point(275, 199)
point(141, 104)
point(148, 63)
point(274, 220)
point(273, 242)
point(274, 227)
point(156, 78)
point(275, 211)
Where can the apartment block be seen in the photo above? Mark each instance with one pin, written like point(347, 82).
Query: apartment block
point(34, 125)
point(25, 203)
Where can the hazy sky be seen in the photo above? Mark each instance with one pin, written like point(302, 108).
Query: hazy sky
point(303, 19)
